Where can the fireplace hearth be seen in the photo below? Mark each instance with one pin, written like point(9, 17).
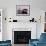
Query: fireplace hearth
point(22, 37)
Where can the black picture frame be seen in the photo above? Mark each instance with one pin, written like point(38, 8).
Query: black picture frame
point(22, 10)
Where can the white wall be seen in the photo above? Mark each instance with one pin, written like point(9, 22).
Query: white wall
point(4, 24)
point(10, 12)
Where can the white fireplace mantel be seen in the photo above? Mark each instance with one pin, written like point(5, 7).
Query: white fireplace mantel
point(26, 27)
point(23, 26)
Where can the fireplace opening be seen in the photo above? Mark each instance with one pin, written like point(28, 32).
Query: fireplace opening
point(22, 37)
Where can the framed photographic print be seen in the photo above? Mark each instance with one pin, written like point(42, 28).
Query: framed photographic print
point(23, 10)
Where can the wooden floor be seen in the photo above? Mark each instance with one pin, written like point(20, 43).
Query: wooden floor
point(20, 45)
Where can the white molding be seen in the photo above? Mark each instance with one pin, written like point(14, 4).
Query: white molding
point(1, 26)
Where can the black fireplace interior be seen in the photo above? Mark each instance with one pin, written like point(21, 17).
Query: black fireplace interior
point(22, 37)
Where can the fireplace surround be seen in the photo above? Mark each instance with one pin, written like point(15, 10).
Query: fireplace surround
point(21, 35)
